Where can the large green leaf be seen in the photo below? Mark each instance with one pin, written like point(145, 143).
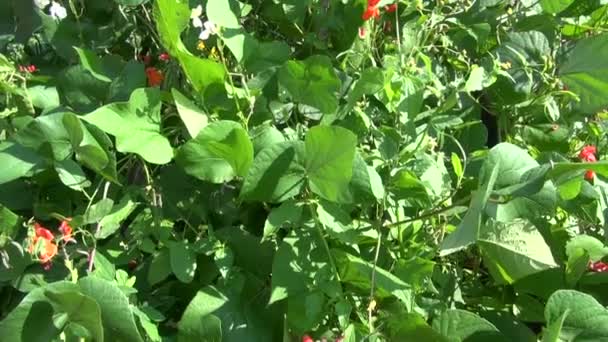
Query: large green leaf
point(32, 320)
point(17, 161)
point(194, 119)
point(586, 320)
point(460, 325)
point(277, 173)
point(79, 309)
point(358, 272)
point(555, 6)
point(92, 63)
point(468, 229)
point(311, 82)
point(116, 314)
point(519, 178)
point(136, 125)
point(183, 261)
point(330, 152)
point(514, 250)
point(300, 266)
point(240, 317)
point(585, 71)
point(220, 152)
point(198, 323)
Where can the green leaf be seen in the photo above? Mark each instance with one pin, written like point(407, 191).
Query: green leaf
point(222, 13)
point(515, 250)
point(288, 213)
point(477, 79)
point(311, 82)
point(194, 119)
point(116, 314)
point(160, 267)
point(92, 63)
point(242, 317)
point(586, 319)
point(461, 325)
point(79, 309)
point(111, 222)
point(555, 6)
point(411, 327)
point(17, 161)
point(18, 259)
point(197, 323)
point(586, 243)
point(183, 261)
point(136, 125)
point(552, 331)
point(130, 78)
point(72, 175)
point(358, 272)
point(44, 97)
point(330, 151)
point(468, 229)
point(585, 72)
point(171, 18)
point(220, 152)
point(104, 268)
point(32, 319)
point(277, 173)
point(519, 170)
point(300, 266)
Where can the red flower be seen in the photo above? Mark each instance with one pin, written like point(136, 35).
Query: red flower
point(42, 232)
point(372, 10)
point(28, 68)
point(307, 338)
point(588, 153)
point(598, 266)
point(164, 57)
point(66, 230)
point(48, 248)
point(391, 8)
point(155, 77)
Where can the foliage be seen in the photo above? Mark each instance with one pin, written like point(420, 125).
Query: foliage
point(301, 170)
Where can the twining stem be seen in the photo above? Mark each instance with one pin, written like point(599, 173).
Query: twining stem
point(319, 228)
point(424, 216)
point(370, 309)
point(94, 251)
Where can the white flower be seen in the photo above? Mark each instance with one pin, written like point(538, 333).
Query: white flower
point(209, 29)
point(195, 16)
point(58, 11)
point(41, 3)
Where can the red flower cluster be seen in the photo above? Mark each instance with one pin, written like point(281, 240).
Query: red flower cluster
point(598, 266)
point(155, 76)
point(28, 68)
point(48, 248)
point(373, 11)
point(587, 154)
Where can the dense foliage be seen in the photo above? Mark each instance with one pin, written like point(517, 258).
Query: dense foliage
point(303, 170)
